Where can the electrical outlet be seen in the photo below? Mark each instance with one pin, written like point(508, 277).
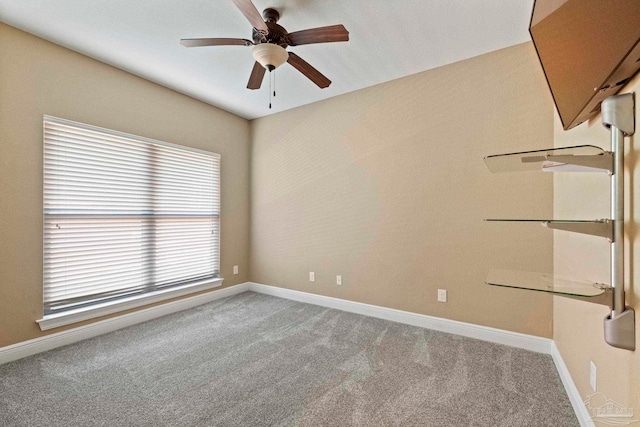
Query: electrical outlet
point(592, 376)
point(312, 276)
point(442, 295)
point(235, 269)
point(338, 280)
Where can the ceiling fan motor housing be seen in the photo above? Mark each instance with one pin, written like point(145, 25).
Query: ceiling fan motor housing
point(276, 35)
point(270, 15)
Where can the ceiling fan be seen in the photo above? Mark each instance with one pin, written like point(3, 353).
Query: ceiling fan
point(270, 41)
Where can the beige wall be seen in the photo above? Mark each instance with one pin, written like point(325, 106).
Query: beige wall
point(38, 77)
point(578, 329)
point(386, 186)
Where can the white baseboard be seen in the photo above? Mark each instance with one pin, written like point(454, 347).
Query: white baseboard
point(58, 339)
point(485, 333)
point(499, 336)
point(572, 391)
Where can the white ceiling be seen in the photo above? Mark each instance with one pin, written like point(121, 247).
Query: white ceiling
point(389, 39)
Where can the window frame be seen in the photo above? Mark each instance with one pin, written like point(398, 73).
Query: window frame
point(159, 293)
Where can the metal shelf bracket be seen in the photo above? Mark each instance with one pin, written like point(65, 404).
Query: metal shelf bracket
point(618, 116)
point(605, 299)
point(599, 161)
point(600, 228)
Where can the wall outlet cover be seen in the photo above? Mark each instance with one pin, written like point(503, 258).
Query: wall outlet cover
point(312, 276)
point(442, 295)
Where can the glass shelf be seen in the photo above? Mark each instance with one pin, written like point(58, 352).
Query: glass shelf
point(596, 227)
point(543, 160)
point(552, 221)
point(543, 282)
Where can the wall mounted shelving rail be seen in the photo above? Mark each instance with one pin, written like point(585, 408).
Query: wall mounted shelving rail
point(618, 116)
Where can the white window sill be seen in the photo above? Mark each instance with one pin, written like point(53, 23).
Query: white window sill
point(73, 316)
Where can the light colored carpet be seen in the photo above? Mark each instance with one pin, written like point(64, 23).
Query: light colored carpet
point(256, 360)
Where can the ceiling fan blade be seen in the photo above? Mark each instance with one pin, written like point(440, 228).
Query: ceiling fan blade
point(306, 69)
point(251, 13)
point(333, 33)
point(215, 42)
point(257, 74)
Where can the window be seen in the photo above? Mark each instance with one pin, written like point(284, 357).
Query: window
point(124, 216)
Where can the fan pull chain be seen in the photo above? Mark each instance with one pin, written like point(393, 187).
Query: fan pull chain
point(272, 86)
point(270, 78)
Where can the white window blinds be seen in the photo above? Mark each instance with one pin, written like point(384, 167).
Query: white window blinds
point(124, 215)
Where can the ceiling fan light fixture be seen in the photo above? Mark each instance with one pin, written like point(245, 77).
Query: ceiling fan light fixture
point(270, 55)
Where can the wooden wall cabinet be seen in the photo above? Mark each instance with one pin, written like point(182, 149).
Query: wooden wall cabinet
point(588, 50)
